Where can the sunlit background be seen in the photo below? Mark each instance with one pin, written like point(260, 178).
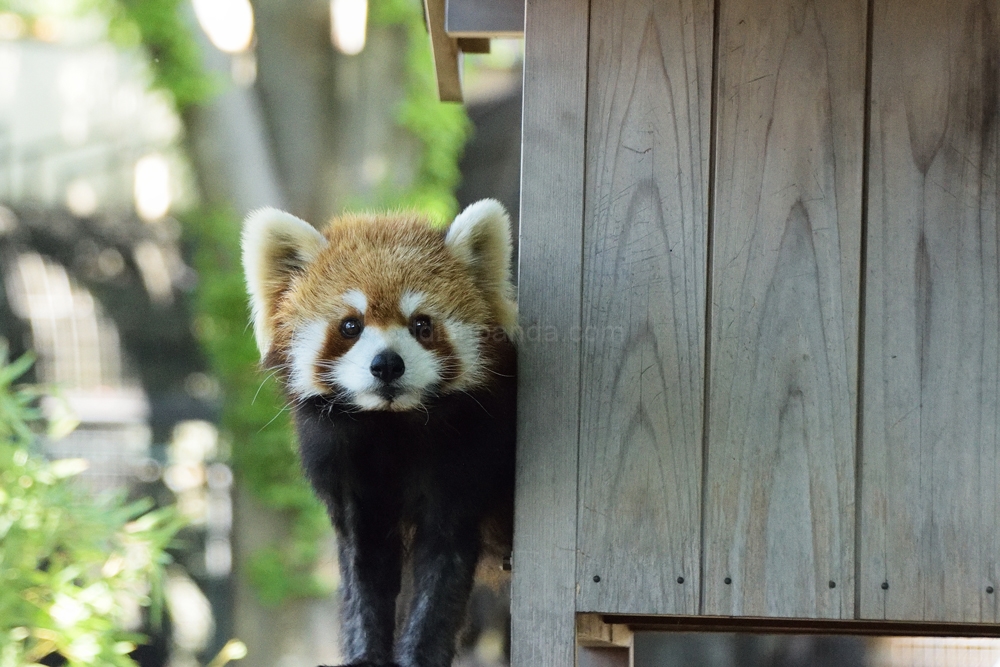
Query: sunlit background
point(92, 169)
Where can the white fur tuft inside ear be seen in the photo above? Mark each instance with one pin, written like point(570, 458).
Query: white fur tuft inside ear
point(275, 244)
point(480, 238)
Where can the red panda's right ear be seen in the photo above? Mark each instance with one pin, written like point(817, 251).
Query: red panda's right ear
point(480, 238)
point(276, 245)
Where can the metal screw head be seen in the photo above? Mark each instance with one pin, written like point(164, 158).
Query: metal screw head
point(727, 581)
point(680, 580)
point(885, 585)
point(833, 584)
point(989, 589)
point(597, 578)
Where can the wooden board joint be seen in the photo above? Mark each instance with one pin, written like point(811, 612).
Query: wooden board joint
point(592, 631)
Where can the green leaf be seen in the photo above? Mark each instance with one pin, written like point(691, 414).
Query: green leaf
point(66, 559)
point(15, 369)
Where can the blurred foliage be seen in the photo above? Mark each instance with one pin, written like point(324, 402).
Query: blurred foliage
point(174, 54)
point(254, 419)
point(70, 566)
point(441, 128)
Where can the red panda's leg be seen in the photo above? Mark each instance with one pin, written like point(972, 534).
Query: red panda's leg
point(370, 550)
point(444, 562)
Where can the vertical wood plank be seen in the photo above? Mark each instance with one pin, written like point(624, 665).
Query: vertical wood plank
point(785, 291)
point(551, 220)
point(929, 514)
point(649, 106)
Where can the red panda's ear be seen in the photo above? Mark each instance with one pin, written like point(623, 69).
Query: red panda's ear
point(276, 245)
point(480, 238)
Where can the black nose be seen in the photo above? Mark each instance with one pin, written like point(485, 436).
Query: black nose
point(387, 366)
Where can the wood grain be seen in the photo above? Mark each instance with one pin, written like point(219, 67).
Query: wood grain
point(643, 331)
point(785, 289)
point(555, 82)
point(930, 516)
point(444, 50)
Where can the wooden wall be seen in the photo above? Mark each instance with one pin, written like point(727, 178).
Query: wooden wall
point(760, 286)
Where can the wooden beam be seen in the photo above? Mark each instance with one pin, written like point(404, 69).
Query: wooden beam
point(447, 56)
point(485, 18)
point(797, 626)
point(543, 588)
point(592, 630)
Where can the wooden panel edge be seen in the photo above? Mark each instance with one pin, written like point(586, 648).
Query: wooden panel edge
point(543, 587)
point(486, 34)
point(484, 18)
point(820, 626)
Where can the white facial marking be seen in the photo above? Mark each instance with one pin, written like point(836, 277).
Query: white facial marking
point(356, 299)
point(464, 339)
point(410, 301)
point(307, 343)
point(422, 366)
point(352, 372)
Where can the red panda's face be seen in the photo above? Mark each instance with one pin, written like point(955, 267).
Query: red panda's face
point(379, 341)
point(380, 313)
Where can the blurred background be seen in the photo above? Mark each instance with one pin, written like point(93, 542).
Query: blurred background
point(134, 136)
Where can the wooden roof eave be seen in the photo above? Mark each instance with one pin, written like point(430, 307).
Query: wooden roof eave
point(466, 26)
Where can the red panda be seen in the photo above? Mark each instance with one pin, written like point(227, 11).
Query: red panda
point(394, 342)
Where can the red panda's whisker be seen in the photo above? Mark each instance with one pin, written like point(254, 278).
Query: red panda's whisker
point(262, 383)
point(423, 408)
point(477, 402)
point(276, 415)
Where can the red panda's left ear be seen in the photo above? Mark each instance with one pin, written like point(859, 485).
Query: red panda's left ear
point(480, 238)
point(275, 246)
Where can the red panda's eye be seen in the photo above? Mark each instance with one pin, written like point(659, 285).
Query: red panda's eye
point(350, 328)
point(420, 327)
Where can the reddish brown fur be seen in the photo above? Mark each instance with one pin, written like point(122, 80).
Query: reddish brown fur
point(382, 257)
